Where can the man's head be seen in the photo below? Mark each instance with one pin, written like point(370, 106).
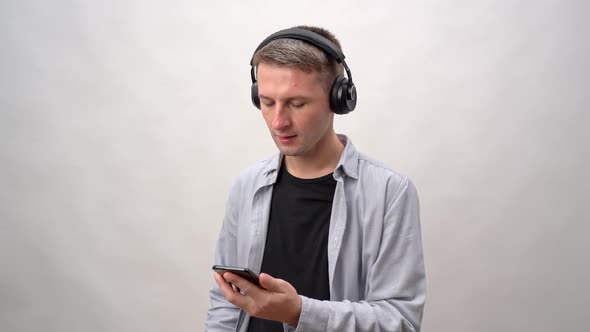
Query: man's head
point(293, 87)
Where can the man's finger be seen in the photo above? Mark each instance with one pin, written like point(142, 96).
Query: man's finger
point(223, 285)
point(244, 285)
point(229, 293)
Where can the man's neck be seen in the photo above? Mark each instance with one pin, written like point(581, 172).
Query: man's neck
point(320, 162)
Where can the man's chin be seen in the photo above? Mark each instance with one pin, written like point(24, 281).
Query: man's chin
point(291, 149)
point(287, 151)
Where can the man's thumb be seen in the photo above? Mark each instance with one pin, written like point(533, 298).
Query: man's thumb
point(270, 283)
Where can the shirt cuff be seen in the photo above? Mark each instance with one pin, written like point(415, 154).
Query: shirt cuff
point(313, 317)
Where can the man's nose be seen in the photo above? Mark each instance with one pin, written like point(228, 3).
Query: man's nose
point(281, 119)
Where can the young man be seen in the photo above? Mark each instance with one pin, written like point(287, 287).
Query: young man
point(335, 235)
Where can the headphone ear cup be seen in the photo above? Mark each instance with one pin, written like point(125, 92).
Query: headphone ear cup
point(336, 94)
point(255, 96)
point(342, 96)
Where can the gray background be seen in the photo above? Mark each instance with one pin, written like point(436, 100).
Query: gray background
point(123, 123)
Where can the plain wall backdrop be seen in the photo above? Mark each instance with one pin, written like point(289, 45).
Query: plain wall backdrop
point(123, 124)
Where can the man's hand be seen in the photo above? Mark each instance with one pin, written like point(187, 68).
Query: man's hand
point(277, 300)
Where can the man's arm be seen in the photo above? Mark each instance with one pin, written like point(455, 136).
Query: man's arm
point(396, 284)
point(222, 315)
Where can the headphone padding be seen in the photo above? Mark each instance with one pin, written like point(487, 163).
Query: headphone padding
point(255, 96)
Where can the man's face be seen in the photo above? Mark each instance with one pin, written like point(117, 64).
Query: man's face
point(296, 108)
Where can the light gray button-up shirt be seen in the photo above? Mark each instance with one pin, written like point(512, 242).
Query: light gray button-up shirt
point(375, 263)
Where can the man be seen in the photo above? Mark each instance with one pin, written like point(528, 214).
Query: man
point(335, 235)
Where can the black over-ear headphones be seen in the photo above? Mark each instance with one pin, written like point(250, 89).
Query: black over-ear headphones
point(343, 92)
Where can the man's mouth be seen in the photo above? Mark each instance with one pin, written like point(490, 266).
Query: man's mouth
point(286, 138)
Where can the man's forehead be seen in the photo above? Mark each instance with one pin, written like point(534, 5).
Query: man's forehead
point(286, 76)
point(264, 68)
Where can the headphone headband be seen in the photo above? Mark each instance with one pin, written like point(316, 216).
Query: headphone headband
point(304, 35)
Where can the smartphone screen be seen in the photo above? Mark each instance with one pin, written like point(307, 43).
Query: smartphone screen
point(240, 271)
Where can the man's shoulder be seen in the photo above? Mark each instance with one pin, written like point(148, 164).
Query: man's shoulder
point(378, 170)
point(378, 178)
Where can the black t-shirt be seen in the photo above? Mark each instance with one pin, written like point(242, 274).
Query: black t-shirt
point(296, 247)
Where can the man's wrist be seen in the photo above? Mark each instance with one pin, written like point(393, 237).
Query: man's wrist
point(297, 313)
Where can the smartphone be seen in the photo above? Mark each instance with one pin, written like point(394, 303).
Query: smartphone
point(243, 272)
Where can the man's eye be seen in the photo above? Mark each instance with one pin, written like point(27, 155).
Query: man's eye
point(268, 103)
point(297, 105)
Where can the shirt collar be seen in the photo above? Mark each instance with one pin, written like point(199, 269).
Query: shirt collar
point(349, 160)
point(347, 165)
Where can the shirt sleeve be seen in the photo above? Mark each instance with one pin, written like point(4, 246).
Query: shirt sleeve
point(222, 315)
point(396, 283)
